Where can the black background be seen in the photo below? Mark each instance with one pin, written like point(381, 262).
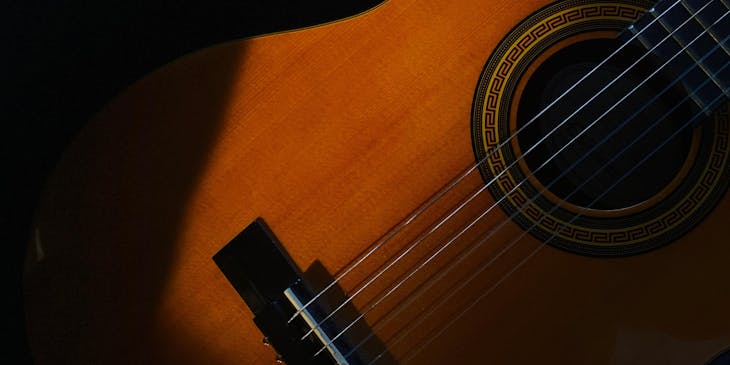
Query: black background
point(62, 60)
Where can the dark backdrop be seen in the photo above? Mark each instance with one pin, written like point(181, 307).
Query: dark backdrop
point(62, 60)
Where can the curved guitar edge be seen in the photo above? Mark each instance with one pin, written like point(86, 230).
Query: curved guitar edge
point(333, 134)
point(172, 169)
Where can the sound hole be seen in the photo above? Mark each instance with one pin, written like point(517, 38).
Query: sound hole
point(586, 183)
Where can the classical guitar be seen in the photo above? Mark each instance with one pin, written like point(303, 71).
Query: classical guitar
point(429, 182)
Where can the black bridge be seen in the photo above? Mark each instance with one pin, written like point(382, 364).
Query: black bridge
point(274, 289)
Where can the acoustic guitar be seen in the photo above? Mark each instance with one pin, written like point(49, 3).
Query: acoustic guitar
point(429, 182)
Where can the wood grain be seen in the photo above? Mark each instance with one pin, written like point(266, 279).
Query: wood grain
point(332, 134)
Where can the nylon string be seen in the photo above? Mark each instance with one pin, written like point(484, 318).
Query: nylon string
point(432, 200)
point(453, 239)
point(476, 246)
point(544, 244)
point(535, 224)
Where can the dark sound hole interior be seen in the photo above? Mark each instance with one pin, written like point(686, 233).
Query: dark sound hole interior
point(597, 182)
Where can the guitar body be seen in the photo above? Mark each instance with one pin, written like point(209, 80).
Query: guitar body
point(331, 134)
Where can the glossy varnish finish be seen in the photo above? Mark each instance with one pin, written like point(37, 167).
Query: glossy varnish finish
point(332, 135)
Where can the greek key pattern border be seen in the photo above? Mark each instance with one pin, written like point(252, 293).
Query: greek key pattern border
point(495, 86)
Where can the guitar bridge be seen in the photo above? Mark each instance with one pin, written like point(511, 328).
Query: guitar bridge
point(274, 289)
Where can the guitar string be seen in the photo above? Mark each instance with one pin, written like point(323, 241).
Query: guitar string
point(469, 226)
point(454, 182)
point(465, 254)
point(412, 325)
point(424, 263)
point(447, 216)
point(544, 244)
point(463, 175)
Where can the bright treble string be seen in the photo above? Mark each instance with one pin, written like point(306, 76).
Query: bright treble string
point(700, 114)
point(450, 214)
point(453, 239)
point(484, 239)
point(453, 183)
